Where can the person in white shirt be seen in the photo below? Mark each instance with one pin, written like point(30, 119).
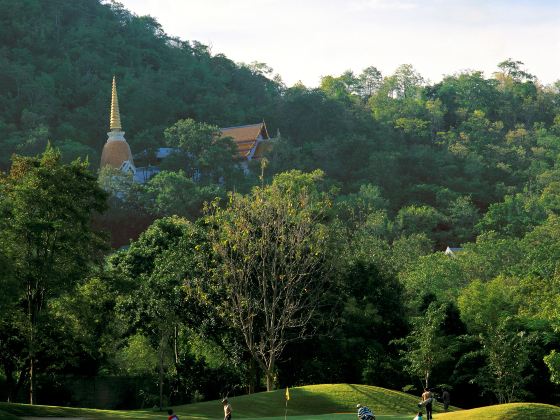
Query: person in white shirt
point(227, 409)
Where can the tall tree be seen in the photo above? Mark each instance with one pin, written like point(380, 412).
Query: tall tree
point(426, 345)
point(272, 248)
point(201, 151)
point(47, 233)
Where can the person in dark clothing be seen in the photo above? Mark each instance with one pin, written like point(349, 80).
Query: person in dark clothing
point(446, 399)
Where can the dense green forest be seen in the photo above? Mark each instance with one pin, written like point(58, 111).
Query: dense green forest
point(373, 177)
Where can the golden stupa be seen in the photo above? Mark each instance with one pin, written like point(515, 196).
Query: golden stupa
point(116, 152)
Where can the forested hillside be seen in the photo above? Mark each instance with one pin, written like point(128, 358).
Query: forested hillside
point(373, 176)
point(57, 59)
point(440, 153)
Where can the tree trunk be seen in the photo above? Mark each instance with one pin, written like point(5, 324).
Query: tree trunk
point(252, 379)
point(14, 386)
point(32, 318)
point(31, 396)
point(427, 376)
point(10, 382)
point(269, 381)
point(161, 374)
point(175, 344)
point(270, 374)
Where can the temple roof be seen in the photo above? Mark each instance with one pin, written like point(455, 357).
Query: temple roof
point(245, 136)
point(115, 153)
point(115, 119)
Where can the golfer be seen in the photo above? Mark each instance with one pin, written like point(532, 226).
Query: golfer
point(227, 409)
point(172, 415)
point(427, 400)
point(364, 413)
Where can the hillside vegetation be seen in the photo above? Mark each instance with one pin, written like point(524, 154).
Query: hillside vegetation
point(321, 264)
point(57, 61)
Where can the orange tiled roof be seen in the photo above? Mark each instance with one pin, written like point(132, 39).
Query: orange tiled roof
point(245, 136)
point(115, 153)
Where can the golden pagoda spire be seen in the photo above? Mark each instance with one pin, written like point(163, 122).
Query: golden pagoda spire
point(115, 122)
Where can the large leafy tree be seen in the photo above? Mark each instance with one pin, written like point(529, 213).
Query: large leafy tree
point(272, 248)
point(151, 312)
point(427, 346)
point(46, 233)
point(173, 193)
point(201, 151)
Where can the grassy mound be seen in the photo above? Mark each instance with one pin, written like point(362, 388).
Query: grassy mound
point(15, 411)
point(310, 400)
point(314, 402)
point(517, 411)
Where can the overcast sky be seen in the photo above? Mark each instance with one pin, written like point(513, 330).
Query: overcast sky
point(306, 39)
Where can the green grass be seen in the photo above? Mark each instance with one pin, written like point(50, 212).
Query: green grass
point(314, 402)
point(7, 416)
point(25, 410)
point(516, 411)
point(335, 417)
point(309, 401)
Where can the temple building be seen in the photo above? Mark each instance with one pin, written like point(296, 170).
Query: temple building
point(252, 142)
point(116, 151)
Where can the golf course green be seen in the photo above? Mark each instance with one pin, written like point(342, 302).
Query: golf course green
point(313, 402)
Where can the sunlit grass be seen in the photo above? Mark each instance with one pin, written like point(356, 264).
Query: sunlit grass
point(308, 401)
point(517, 411)
point(311, 400)
point(314, 402)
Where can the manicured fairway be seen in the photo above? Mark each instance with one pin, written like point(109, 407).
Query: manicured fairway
point(311, 400)
point(334, 417)
point(314, 402)
point(308, 402)
point(516, 411)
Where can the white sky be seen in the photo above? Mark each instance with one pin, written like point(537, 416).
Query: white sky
point(306, 39)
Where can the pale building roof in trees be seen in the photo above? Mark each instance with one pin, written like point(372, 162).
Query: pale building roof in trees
point(246, 137)
point(453, 251)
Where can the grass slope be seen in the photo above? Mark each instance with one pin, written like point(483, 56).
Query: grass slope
point(17, 411)
point(314, 402)
point(7, 416)
point(308, 401)
point(516, 411)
